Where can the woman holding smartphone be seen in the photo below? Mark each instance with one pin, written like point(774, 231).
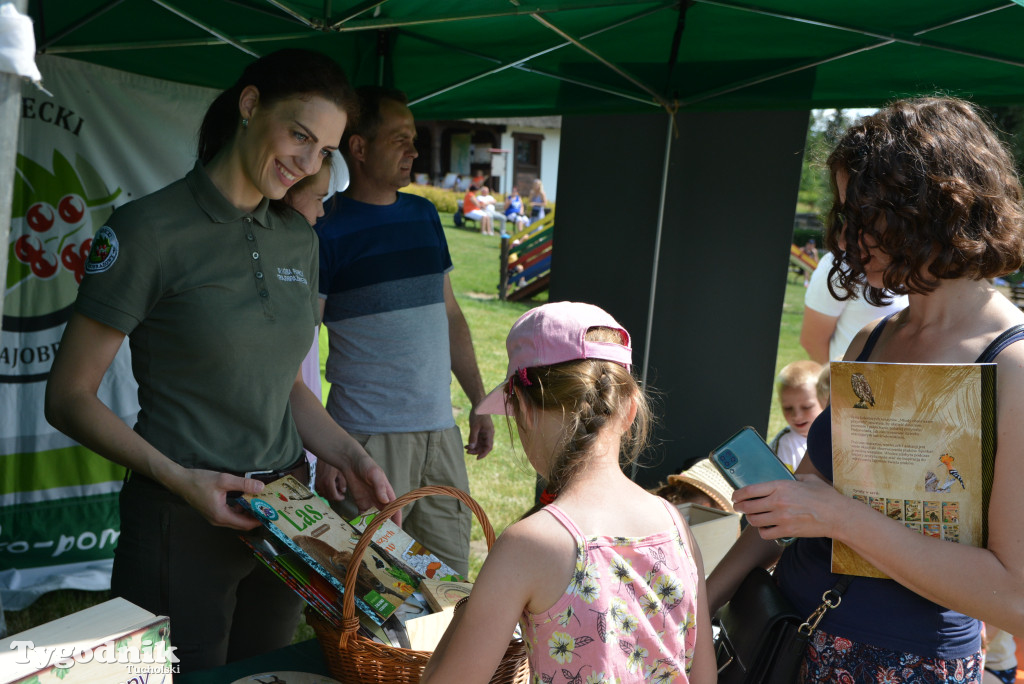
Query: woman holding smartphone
point(215, 284)
point(926, 203)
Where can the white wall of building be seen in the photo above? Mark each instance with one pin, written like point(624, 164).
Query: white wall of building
point(548, 155)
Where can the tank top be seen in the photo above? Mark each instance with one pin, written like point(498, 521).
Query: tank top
point(629, 613)
point(879, 612)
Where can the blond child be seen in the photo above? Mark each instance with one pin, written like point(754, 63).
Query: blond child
point(824, 386)
point(797, 387)
point(606, 580)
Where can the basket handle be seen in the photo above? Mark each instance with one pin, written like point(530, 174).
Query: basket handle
point(350, 623)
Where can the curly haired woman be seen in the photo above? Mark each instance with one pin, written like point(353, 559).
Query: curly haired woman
point(926, 203)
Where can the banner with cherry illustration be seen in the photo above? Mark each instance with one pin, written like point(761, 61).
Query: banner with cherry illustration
point(102, 139)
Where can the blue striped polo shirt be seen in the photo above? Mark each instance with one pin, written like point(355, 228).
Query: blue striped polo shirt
point(382, 271)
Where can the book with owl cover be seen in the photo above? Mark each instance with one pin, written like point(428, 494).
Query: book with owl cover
point(298, 520)
point(916, 442)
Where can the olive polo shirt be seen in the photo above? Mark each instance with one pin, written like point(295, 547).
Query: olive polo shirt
point(219, 305)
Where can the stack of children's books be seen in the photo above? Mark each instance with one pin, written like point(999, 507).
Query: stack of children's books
point(309, 546)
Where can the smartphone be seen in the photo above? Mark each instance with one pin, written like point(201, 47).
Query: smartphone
point(744, 459)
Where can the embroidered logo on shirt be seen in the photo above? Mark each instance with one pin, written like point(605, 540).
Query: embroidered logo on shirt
point(291, 275)
point(104, 251)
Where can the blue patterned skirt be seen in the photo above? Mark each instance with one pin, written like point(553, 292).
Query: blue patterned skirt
point(831, 659)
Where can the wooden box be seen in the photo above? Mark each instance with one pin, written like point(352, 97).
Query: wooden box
point(715, 531)
point(115, 642)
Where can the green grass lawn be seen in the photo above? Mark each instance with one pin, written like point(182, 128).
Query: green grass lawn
point(502, 483)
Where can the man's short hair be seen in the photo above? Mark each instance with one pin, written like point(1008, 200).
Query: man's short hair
point(365, 121)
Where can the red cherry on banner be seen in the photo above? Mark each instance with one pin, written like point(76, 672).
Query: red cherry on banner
point(71, 208)
point(26, 250)
point(45, 265)
point(69, 257)
point(40, 217)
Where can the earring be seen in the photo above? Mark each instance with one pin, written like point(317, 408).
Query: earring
point(245, 123)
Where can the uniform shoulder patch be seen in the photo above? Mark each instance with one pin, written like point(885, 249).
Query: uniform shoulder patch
point(104, 251)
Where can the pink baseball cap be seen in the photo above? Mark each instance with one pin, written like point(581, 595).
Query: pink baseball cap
point(555, 333)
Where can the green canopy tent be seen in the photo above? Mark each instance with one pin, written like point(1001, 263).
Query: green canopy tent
point(737, 77)
point(459, 58)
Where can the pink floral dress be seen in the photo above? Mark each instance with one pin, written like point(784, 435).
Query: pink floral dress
point(628, 614)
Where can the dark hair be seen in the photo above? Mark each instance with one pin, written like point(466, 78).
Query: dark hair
point(587, 392)
point(929, 181)
point(367, 119)
point(279, 75)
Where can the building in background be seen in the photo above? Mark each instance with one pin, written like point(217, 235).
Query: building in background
point(505, 150)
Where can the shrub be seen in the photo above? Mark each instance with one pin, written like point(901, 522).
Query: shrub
point(445, 201)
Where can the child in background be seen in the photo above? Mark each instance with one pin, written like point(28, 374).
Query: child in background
point(824, 387)
point(600, 595)
point(1000, 657)
point(798, 396)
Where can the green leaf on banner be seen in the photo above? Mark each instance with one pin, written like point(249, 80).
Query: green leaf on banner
point(96, 191)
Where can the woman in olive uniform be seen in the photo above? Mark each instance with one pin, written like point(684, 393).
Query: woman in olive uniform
point(214, 281)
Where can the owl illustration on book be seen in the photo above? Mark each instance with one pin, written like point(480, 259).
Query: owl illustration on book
point(863, 391)
point(947, 461)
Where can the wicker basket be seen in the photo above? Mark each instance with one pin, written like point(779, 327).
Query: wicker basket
point(355, 659)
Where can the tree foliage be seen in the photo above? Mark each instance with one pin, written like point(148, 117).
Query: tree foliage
point(826, 127)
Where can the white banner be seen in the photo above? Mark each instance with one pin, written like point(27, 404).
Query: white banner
point(103, 139)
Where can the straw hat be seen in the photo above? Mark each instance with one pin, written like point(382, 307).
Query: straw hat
point(704, 477)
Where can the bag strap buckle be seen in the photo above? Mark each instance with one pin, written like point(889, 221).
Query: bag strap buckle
point(725, 653)
point(830, 599)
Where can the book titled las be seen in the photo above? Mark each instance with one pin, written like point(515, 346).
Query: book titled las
point(916, 442)
point(303, 524)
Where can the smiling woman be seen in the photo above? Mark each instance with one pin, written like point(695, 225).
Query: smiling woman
point(215, 285)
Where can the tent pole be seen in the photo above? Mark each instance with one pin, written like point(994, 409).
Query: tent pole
point(379, 22)
point(354, 12)
point(883, 37)
point(291, 13)
point(614, 67)
point(521, 62)
point(78, 24)
point(10, 119)
point(209, 29)
point(163, 44)
point(762, 78)
point(654, 263)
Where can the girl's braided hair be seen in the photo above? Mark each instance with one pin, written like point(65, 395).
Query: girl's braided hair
point(589, 392)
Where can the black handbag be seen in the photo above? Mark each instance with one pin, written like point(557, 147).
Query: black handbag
point(761, 639)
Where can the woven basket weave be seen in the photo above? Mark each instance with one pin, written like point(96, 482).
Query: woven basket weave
point(354, 659)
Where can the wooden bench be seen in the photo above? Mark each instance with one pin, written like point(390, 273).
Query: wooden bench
point(525, 267)
point(459, 218)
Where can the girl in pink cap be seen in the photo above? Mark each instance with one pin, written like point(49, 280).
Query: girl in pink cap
point(600, 595)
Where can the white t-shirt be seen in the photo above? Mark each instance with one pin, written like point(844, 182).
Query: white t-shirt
point(853, 314)
point(790, 447)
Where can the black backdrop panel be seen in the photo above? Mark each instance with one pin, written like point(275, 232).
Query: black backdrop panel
point(728, 224)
